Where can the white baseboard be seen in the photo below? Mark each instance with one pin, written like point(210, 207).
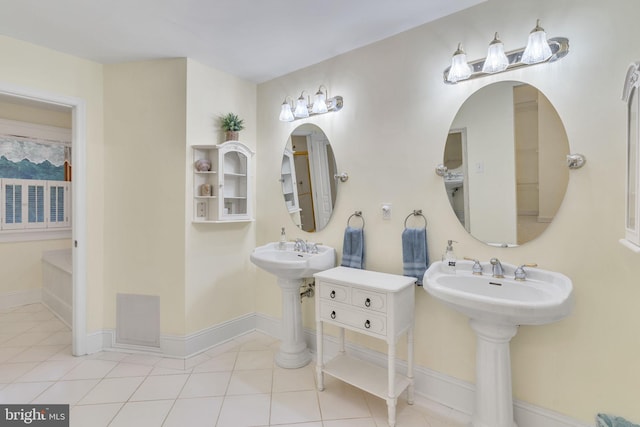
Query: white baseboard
point(60, 308)
point(176, 346)
point(192, 344)
point(18, 298)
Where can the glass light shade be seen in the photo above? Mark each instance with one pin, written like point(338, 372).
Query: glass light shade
point(460, 69)
point(537, 49)
point(496, 59)
point(285, 113)
point(319, 104)
point(301, 110)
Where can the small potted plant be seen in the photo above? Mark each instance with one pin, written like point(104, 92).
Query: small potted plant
point(231, 124)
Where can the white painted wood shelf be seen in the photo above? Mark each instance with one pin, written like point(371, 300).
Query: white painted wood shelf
point(365, 375)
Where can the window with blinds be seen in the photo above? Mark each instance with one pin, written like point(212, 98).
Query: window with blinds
point(30, 204)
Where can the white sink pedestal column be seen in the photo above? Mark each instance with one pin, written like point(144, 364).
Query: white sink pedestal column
point(293, 348)
point(494, 400)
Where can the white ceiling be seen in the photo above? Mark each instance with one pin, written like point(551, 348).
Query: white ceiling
point(254, 39)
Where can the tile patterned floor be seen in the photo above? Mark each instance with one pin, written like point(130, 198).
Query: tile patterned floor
point(235, 384)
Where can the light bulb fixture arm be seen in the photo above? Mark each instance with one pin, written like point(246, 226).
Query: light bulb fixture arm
point(326, 91)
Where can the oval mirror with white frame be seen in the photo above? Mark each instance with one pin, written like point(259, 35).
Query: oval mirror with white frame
point(506, 163)
point(308, 178)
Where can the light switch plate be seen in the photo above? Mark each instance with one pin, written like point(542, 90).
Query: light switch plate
point(386, 210)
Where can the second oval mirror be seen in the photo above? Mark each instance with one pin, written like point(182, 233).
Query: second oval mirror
point(307, 175)
point(506, 158)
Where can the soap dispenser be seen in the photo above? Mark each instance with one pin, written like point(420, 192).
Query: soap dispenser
point(449, 257)
point(282, 244)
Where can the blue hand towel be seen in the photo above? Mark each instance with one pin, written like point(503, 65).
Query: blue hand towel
point(414, 253)
point(353, 248)
point(605, 420)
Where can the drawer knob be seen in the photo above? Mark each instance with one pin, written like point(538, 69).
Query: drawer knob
point(333, 315)
point(332, 294)
point(367, 324)
point(367, 302)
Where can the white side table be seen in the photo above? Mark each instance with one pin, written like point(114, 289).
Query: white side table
point(380, 305)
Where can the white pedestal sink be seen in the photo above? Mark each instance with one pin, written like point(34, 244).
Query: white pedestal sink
point(291, 267)
point(496, 306)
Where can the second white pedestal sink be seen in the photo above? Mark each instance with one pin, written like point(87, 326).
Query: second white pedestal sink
point(291, 267)
point(496, 307)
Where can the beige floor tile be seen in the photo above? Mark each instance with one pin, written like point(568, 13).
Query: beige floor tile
point(88, 369)
point(261, 359)
point(66, 392)
point(352, 422)
point(220, 363)
point(44, 371)
point(142, 414)
point(293, 379)
point(27, 339)
point(206, 384)
point(129, 370)
point(256, 381)
point(294, 407)
point(160, 387)
point(245, 411)
point(197, 412)
point(112, 390)
point(93, 415)
point(8, 353)
point(340, 400)
point(22, 392)
point(38, 353)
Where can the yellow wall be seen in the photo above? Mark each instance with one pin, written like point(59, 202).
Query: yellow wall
point(145, 127)
point(390, 136)
point(25, 65)
point(154, 112)
point(218, 270)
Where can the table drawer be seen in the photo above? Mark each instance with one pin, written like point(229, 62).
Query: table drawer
point(334, 292)
point(369, 300)
point(355, 319)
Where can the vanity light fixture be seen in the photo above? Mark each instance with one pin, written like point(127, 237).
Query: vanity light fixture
point(304, 108)
point(538, 50)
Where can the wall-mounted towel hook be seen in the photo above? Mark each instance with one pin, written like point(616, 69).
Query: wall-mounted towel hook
point(416, 212)
point(356, 214)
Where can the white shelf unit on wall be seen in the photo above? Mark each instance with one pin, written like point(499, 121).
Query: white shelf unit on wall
point(289, 183)
point(224, 193)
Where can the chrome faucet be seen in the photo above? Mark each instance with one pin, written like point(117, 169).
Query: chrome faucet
point(300, 245)
point(498, 273)
point(520, 274)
